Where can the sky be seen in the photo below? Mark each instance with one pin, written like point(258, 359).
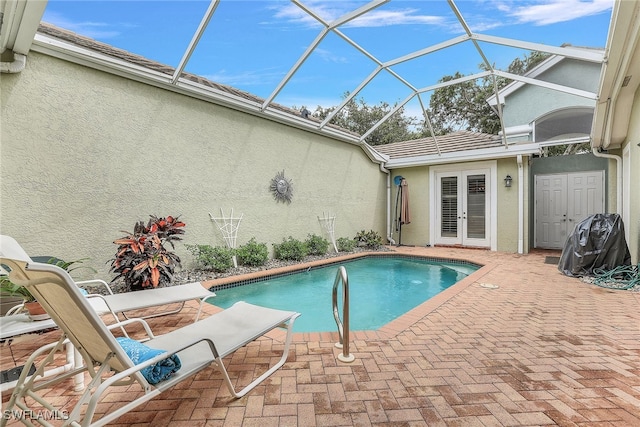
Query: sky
point(252, 45)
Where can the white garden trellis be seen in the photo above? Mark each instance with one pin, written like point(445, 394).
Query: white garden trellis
point(228, 226)
point(328, 224)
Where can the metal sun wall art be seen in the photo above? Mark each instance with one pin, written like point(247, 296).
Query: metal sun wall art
point(281, 188)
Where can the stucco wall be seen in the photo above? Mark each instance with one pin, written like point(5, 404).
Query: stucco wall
point(86, 154)
point(508, 207)
point(418, 232)
point(530, 102)
point(633, 139)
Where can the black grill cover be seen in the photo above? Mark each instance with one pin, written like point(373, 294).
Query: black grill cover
point(596, 242)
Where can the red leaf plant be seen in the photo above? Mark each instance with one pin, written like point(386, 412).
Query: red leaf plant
point(142, 260)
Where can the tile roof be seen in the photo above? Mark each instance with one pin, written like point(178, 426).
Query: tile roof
point(140, 61)
point(456, 141)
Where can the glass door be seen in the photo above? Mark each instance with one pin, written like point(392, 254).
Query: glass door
point(463, 208)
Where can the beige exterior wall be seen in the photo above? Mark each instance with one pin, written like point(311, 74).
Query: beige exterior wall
point(418, 232)
point(86, 154)
point(508, 205)
point(633, 139)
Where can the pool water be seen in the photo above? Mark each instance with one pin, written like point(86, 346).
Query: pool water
point(380, 290)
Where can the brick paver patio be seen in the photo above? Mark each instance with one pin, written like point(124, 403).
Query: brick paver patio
point(515, 344)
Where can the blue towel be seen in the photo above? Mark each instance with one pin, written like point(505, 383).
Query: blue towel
point(139, 353)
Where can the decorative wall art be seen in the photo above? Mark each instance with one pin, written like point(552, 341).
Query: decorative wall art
point(281, 188)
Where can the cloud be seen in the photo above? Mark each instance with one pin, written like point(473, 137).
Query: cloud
point(328, 56)
point(554, 11)
point(384, 18)
point(330, 11)
point(91, 29)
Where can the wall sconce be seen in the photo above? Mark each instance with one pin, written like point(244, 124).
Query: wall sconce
point(507, 181)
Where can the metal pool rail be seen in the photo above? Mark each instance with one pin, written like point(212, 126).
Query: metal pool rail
point(343, 326)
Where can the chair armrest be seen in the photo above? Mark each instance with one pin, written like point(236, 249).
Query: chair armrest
point(102, 310)
point(124, 323)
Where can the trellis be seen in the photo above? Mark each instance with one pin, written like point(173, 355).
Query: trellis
point(228, 226)
point(327, 221)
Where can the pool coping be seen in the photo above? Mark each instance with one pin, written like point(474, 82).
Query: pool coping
point(389, 330)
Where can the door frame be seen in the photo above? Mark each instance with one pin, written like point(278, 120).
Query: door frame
point(569, 222)
point(492, 198)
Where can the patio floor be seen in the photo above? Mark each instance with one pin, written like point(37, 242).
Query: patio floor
point(515, 344)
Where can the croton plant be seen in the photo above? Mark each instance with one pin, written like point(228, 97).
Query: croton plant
point(142, 260)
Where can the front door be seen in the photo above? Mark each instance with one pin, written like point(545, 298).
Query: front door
point(562, 200)
point(462, 199)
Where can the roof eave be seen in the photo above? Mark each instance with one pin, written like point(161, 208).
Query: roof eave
point(620, 78)
point(20, 20)
point(464, 156)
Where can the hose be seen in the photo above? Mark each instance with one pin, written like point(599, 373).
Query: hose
point(621, 277)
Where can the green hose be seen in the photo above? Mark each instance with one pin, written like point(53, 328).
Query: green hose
point(621, 277)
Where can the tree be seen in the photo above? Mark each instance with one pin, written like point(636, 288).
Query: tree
point(359, 117)
point(463, 106)
point(566, 149)
point(451, 108)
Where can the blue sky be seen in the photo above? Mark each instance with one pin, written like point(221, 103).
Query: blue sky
point(251, 45)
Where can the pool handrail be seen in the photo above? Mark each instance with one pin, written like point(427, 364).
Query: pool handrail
point(343, 326)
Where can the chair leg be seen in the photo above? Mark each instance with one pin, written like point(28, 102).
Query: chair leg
point(26, 386)
point(285, 354)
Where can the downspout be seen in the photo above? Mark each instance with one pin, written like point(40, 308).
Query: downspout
point(520, 205)
point(606, 137)
point(16, 66)
point(618, 160)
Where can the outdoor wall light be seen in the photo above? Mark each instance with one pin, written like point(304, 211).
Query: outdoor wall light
point(507, 181)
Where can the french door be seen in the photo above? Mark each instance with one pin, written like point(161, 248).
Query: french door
point(463, 208)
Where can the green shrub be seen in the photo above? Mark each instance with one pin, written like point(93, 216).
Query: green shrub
point(345, 244)
point(371, 239)
point(290, 249)
point(316, 245)
point(253, 253)
point(217, 258)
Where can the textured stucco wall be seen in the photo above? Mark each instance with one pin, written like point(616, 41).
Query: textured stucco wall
point(86, 154)
point(417, 232)
point(530, 102)
point(508, 205)
point(633, 139)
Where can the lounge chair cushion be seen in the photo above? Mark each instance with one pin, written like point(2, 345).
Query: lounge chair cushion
point(139, 353)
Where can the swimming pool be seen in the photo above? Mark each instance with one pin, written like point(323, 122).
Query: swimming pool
point(381, 288)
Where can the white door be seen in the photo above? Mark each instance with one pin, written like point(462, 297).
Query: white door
point(463, 208)
point(562, 200)
point(551, 210)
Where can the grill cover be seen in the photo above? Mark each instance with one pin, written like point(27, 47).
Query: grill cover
point(597, 242)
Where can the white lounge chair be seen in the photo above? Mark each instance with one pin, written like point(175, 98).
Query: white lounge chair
point(108, 302)
point(198, 345)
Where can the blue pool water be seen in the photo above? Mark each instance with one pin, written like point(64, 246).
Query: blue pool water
point(380, 290)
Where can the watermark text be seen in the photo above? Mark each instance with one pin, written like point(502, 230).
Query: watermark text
point(30, 414)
